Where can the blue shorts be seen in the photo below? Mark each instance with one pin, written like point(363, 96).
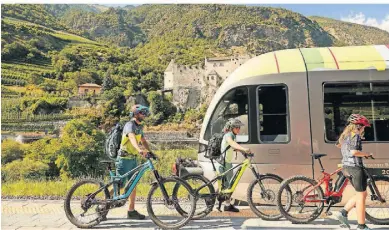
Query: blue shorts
point(123, 166)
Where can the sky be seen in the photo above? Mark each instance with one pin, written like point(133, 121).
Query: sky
point(371, 15)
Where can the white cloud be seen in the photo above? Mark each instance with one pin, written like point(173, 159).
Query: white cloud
point(360, 18)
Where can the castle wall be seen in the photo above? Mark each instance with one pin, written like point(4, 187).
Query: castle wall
point(192, 85)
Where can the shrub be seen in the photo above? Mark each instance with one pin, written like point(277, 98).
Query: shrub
point(11, 150)
point(25, 169)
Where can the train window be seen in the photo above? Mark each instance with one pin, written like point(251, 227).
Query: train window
point(273, 114)
point(234, 104)
point(368, 99)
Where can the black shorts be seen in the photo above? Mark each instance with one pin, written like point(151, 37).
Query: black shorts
point(357, 177)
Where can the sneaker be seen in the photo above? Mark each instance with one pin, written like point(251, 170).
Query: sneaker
point(103, 218)
point(230, 208)
point(135, 215)
point(342, 219)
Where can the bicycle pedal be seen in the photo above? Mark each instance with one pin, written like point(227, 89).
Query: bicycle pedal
point(328, 213)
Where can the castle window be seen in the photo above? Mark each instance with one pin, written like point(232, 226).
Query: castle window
point(213, 77)
point(214, 65)
point(221, 64)
point(227, 71)
point(208, 78)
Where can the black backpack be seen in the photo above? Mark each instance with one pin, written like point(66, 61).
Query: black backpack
point(113, 140)
point(214, 146)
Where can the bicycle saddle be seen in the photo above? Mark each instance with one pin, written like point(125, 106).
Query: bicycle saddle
point(318, 155)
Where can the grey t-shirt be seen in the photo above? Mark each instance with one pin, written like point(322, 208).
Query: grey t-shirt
point(351, 142)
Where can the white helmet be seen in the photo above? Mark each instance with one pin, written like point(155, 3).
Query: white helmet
point(233, 123)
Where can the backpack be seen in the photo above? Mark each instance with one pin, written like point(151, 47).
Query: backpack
point(214, 146)
point(113, 140)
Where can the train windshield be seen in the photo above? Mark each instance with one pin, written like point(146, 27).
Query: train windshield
point(234, 104)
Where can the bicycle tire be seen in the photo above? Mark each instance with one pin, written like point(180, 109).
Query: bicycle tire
point(151, 213)
point(68, 211)
point(371, 218)
point(272, 197)
point(285, 213)
point(203, 213)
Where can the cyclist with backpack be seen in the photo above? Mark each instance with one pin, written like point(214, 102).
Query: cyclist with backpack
point(350, 142)
point(132, 144)
point(228, 145)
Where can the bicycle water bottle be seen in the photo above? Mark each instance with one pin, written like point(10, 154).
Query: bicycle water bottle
point(330, 185)
point(340, 181)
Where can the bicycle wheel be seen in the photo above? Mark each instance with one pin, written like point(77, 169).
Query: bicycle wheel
point(82, 210)
point(376, 211)
point(164, 212)
point(203, 206)
point(290, 200)
point(263, 202)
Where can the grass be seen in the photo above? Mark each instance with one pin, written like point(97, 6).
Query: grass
point(57, 189)
point(72, 38)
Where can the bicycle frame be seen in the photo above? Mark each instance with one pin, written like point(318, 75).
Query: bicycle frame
point(326, 179)
point(328, 193)
point(133, 181)
point(235, 179)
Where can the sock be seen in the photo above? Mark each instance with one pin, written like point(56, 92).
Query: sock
point(361, 226)
point(344, 212)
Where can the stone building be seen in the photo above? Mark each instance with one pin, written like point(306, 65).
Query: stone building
point(89, 88)
point(193, 85)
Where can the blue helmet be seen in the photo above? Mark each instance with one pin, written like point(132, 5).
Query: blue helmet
point(136, 109)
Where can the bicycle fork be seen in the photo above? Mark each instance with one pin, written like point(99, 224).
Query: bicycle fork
point(163, 189)
point(376, 195)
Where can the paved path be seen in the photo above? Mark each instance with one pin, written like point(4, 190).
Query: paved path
point(42, 214)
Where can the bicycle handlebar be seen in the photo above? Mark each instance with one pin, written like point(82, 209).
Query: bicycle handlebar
point(150, 155)
point(246, 154)
point(371, 157)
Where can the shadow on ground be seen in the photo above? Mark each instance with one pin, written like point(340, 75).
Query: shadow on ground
point(230, 223)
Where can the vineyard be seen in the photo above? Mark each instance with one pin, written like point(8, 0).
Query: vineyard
point(27, 127)
point(10, 117)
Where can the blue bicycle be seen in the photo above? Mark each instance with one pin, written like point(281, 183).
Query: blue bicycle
point(89, 200)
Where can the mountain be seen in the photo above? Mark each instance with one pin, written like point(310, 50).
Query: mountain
point(59, 10)
point(110, 26)
point(81, 43)
point(35, 13)
point(352, 34)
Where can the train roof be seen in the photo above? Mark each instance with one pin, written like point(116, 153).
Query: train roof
point(314, 59)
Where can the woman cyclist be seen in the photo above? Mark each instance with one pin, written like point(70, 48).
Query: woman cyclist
point(350, 142)
point(228, 145)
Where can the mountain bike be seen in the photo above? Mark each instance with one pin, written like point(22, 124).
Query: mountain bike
point(306, 198)
point(261, 193)
point(89, 200)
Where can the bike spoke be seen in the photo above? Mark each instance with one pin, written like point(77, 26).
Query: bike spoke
point(376, 208)
point(298, 207)
point(265, 200)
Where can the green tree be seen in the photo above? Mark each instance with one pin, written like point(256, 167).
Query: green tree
point(108, 83)
point(81, 148)
point(11, 150)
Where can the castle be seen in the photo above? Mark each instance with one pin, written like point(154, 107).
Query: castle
point(193, 85)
